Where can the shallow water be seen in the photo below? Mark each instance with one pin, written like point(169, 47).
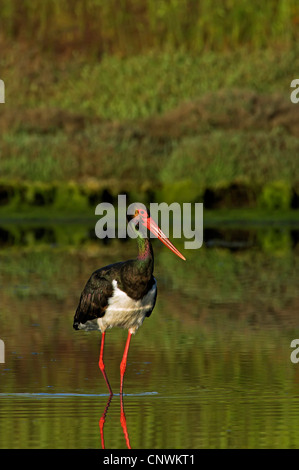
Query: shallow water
point(210, 368)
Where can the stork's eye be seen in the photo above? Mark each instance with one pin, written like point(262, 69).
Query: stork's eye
point(140, 212)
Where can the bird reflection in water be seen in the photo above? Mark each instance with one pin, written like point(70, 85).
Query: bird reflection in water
point(123, 421)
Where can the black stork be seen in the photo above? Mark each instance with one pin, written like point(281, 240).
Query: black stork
point(124, 293)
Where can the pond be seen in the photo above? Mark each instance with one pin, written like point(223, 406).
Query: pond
point(211, 367)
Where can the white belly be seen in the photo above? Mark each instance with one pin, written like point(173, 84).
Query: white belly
point(123, 312)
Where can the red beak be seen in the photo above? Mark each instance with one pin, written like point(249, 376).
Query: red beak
point(155, 229)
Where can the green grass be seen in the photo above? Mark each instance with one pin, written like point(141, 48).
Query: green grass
point(175, 123)
point(222, 156)
point(187, 166)
point(133, 26)
point(154, 83)
point(139, 86)
point(63, 135)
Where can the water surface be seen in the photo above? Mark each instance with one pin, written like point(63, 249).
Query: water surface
point(210, 368)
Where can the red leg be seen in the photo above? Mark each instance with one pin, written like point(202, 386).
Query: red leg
point(123, 422)
point(102, 421)
point(123, 363)
point(102, 365)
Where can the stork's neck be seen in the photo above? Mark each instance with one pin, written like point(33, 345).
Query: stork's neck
point(145, 250)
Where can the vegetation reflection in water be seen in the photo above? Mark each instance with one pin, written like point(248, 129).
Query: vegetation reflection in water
point(210, 368)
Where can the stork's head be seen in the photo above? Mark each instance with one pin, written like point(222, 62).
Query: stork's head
point(139, 216)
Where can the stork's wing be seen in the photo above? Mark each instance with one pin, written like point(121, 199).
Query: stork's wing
point(94, 298)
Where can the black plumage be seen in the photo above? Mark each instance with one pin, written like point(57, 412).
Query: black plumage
point(134, 277)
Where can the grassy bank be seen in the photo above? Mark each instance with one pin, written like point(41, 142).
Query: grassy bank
point(134, 26)
point(136, 87)
point(164, 126)
point(71, 199)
